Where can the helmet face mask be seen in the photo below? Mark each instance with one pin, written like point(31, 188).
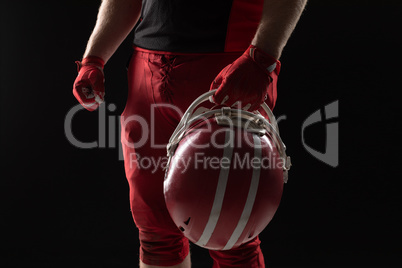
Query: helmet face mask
point(225, 175)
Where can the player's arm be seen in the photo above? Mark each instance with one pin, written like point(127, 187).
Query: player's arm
point(116, 19)
point(279, 19)
point(252, 78)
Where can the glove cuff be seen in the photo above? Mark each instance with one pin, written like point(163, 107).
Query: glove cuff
point(91, 61)
point(264, 60)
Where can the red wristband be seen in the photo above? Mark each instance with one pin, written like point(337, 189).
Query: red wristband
point(91, 60)
point(264, 60)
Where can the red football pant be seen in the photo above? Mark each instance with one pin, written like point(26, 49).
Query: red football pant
point(161, 87)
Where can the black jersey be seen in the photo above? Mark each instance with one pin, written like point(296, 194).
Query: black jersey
point(197, 26)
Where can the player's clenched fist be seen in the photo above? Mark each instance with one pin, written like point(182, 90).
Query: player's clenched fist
point(249, 80)
point(89, 87)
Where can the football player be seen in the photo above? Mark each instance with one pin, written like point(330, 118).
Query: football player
point(180, 50)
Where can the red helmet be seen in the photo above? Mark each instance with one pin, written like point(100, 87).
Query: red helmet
point(225, 174)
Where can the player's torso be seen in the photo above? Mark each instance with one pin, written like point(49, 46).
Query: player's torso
point(197, 26)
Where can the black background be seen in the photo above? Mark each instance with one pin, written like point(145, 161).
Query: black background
point(64, 206)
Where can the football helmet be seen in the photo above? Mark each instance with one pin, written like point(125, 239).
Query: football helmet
point(225, 174)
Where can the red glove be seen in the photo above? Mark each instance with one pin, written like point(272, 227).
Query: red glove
point(89, 87)
point(251, 79)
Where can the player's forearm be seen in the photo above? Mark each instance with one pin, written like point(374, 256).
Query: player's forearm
point(278, 21)
point(116, 19)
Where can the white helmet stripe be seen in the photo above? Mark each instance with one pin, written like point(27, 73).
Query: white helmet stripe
point(220, 191)
point(252, 193)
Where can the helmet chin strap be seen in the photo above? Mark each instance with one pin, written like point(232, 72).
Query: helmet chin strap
point(249, 121)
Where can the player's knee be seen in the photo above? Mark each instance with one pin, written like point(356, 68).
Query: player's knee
point(163, 249)
point(247, 255)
